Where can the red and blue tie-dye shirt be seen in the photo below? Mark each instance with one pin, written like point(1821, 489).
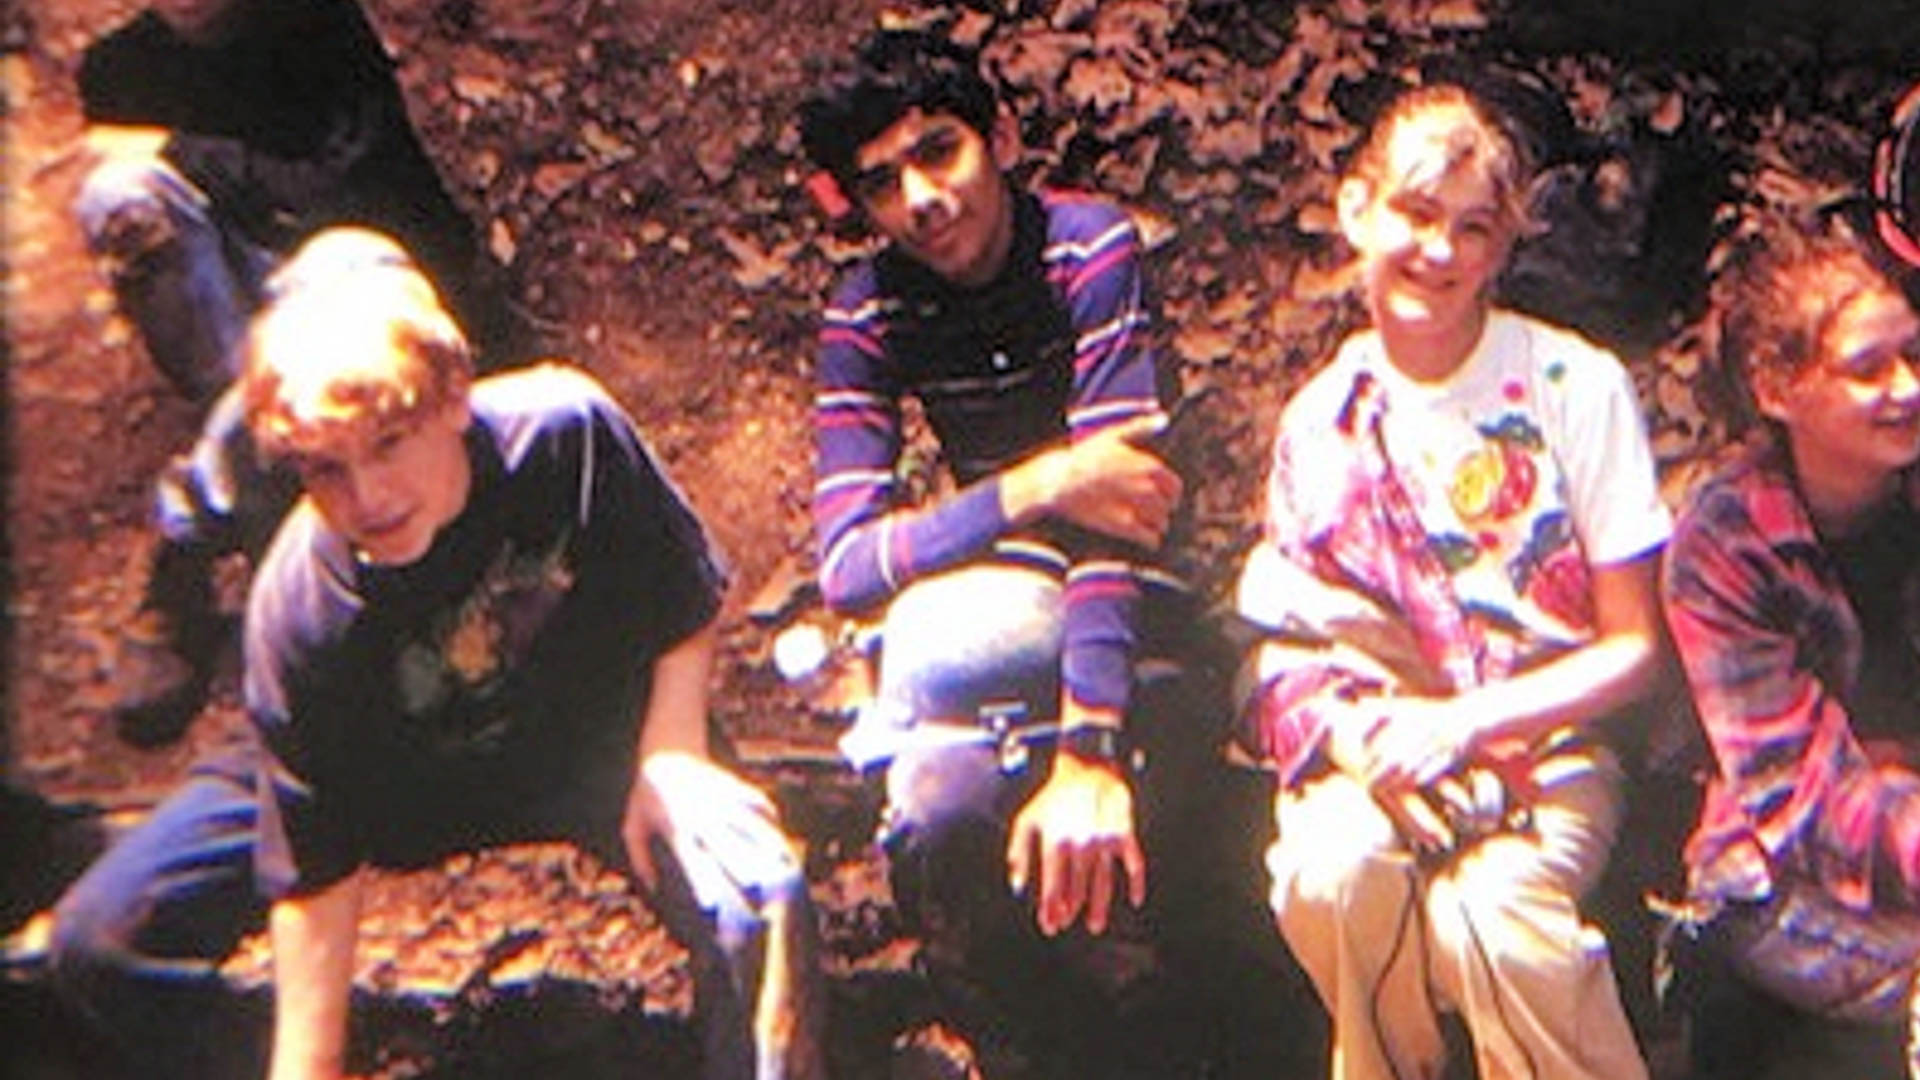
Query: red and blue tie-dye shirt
point(1773, 651)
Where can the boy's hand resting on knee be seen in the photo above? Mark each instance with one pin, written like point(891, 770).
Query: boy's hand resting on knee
point(724, 831)
point(1074, 830)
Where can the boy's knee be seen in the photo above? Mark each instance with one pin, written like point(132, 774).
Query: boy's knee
point(123, 207)
point(88, 944)
point(955, 642)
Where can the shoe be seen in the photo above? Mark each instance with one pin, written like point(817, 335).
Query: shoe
point(168, 650)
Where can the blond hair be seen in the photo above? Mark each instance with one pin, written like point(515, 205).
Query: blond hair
point(1478, 139)
point(353, 336)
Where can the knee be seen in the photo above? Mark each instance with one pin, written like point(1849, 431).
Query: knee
point(1523, 930)
point(123, 206)
point(1335, 858)
point(955, 642)
point(1320, 881)
point(928, 792)
point(89, 944)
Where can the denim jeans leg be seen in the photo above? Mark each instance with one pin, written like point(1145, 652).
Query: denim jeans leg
point(192, 281)
point(139, 938)
point(986, 640)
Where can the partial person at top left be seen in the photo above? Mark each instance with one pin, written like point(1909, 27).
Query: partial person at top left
point(220, 134)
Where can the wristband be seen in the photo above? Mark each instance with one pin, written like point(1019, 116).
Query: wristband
point(1095, 743)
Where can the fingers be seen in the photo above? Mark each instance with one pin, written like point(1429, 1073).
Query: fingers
point(1135, 861)
point(1077, 880)
point(1099, 893)
point(1063, 887)
point(1020, 840)
point(1418, 822)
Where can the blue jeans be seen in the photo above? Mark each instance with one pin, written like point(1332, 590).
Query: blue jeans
point(191, 290)
point(139, 938)
point(1810, 951)
point(195, 284)
point(1196, 979)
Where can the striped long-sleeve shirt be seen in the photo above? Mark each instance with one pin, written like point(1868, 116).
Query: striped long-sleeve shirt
point(1052, 349)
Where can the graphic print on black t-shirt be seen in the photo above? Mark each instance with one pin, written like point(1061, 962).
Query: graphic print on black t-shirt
point(451, 680)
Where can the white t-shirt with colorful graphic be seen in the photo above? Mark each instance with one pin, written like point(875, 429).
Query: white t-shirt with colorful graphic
point(1527, 466)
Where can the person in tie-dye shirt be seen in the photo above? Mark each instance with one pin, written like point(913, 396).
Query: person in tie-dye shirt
point(1794, 602)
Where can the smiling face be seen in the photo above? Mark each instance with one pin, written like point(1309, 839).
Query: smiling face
point(358, 376)
point(1431, 231)
point(933, 185)
point(1852, 415)
point(390, 486)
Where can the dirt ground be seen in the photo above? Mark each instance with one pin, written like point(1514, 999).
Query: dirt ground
point(634, 165)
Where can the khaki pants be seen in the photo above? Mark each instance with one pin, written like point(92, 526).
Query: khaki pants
point(1491, 932)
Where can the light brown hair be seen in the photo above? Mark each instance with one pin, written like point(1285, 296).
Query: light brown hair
point(353, 335)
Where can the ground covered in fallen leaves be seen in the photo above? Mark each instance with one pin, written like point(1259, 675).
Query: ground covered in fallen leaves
point(634, 165)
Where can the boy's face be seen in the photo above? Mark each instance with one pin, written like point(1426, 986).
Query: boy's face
point(1430, 238)
point(933, 185)
point(389, 487)
point(1857, 409)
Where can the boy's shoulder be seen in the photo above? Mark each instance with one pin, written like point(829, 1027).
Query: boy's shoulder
point(520, 407)
point(857, 291)
point(1082, 222)
point(548, 387)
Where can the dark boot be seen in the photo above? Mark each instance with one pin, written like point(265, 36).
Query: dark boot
point(168, 650)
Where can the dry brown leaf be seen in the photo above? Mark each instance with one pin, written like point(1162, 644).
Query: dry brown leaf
point(1098, 83)
point(500, 242)
point(1234, 142)
point(1128, 169)
point(1037, 61)
point(1456, 15)
point(1156, 231)
point(1324, 144)
point(1072, 14)
point(479, 89)
point(1148, 103)
point(756, 269)
point(1182, 186)
point(1318, 218)
point(1235, 307)
point(1313, 285)
point(1204, 344)
point(1133, 25)
point(971, 28)
point(604, 145)
point(555, 177)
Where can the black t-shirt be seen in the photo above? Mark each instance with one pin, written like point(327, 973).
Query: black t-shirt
point(493, 690)
point(1880, 570)
point(291, 123)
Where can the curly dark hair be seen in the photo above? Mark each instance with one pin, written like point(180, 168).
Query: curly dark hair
point(892, 72)
point(1784, 285)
